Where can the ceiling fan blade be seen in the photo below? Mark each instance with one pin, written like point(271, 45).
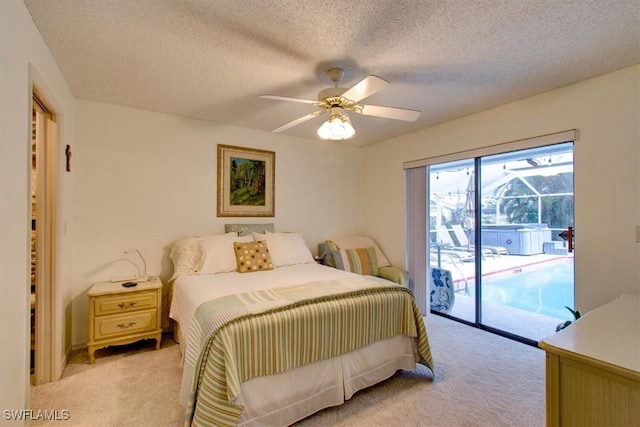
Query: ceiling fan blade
point(391, 113)
point(288, 98)
point(365, 88)
point(298, 121)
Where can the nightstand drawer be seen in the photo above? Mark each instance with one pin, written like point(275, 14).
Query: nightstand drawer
point(112, 326)
point(125, 303)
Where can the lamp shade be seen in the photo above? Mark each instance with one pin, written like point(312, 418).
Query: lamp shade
point(337, 127)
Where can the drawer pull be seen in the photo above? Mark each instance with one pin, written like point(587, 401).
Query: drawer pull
point(123, 326)
point(131, 304)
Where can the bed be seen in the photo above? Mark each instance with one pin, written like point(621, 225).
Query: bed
point(275, 344)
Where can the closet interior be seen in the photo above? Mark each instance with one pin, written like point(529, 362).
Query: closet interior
point(34, 235)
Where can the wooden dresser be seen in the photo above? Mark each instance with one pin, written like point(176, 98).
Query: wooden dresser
point(593, 368)
point(119, 315)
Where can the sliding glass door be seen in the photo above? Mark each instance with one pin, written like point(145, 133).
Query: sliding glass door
point(500, 255)
point(452, 261)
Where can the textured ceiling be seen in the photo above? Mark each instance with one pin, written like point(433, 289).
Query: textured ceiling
point(211, 60)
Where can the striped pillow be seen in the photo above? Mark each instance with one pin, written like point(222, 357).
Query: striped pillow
point(360, 261)
point(328, 256)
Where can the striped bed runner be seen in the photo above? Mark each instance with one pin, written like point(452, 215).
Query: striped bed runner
point(243, 336)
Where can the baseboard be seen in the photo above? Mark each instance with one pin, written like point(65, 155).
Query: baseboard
point(63, 364)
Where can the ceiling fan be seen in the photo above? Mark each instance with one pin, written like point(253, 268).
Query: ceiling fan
point(338, 100)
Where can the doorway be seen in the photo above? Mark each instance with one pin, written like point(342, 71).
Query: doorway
point(496, 227)
point(43, 194)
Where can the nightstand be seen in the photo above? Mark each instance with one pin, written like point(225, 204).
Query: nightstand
point(119, 315)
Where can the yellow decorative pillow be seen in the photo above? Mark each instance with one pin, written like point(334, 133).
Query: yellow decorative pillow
point(252, 256)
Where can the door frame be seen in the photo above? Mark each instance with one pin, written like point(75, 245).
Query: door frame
point(48, 353)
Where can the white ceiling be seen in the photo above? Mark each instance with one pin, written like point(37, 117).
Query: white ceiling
point(211, 60)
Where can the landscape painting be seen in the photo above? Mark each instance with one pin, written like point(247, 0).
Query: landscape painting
point(245, 181)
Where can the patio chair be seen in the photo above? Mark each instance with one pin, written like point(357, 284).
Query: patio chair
point(464, 241)
point(445, 237)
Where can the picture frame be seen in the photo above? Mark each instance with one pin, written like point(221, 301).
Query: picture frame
point(246, 182)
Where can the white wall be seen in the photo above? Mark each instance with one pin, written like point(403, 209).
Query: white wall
point(143, 179)
point(25, 58)
point(606, 112)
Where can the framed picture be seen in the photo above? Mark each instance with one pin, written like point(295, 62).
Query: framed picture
point(246, 179)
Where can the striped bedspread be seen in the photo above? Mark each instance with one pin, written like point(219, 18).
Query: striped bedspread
point(243, 336)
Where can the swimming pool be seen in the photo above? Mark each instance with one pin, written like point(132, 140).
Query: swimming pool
point(542, 290)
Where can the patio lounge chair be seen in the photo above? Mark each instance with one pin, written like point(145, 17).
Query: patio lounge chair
point(450, 255)
point(464, 241)
point(445, 237)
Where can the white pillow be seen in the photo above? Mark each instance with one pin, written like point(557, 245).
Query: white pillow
point(185, 254)
point(286, 248)
point(218, 255)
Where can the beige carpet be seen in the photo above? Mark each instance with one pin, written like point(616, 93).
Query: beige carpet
point(480, 380)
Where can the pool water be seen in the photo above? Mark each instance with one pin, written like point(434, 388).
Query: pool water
point(544, 290)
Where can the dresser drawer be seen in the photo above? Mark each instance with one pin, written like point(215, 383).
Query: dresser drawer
point(124, 324)
point(125, 303)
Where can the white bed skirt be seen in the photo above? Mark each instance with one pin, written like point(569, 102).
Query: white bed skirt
point(289, 397)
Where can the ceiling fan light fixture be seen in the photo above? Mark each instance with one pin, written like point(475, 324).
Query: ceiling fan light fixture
point(338, 100)
point(338, 127)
